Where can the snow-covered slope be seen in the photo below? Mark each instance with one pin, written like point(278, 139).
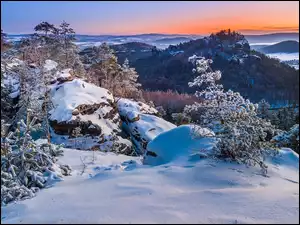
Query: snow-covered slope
point(118, 189)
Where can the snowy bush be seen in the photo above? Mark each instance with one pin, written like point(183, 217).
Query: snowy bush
point(289, 138)
point(263, 109)
point(27, 166)
point(181, 118)
point(243, 136)
point(161, 110)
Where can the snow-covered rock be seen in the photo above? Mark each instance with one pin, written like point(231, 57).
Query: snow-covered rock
point(141, 123)
point(11, 79)
point(126, 106)
point(68, 96)
point(80, 104)
point(50, 65)
point(184, 140)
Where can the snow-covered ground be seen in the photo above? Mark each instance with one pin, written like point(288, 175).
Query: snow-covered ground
point(119, 189)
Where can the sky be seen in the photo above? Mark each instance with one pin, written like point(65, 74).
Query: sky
point(133, 17)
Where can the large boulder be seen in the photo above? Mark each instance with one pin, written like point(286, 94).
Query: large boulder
point(85, 116)
point(141, 122)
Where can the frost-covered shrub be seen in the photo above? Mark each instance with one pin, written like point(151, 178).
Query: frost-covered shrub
point(161, 111)
point(217, 104)
point(181, 118)
point(244, 139)
point(26, 171)
point(27, 166)
point(263, 110)
point(289, 138)
point(243, 136)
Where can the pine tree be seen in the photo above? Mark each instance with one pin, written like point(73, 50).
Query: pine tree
point(44, 28)
point(4, 44)
point(128, 82)
point(263, 109)
point(102, 59)
point(67, 35)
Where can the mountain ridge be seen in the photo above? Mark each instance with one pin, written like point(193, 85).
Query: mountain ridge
point(284, 46)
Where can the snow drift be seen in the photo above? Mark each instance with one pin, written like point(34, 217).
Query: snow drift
point(184, 140)
point(118, 189)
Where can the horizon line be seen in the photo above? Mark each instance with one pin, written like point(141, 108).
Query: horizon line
point(154, 33)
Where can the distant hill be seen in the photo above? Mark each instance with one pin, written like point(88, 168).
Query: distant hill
point(245, 70)
point(275, 37)
point(131, 50)
point(256, 47)
point(173, 40)
point(252, 73)
point(284, 46)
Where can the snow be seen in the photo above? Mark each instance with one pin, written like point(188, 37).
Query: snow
point(50, 65)
point(67, 96)
point(180, 141)
point(132, 115)
point(106, 125)
point(11, 78)
point(126, 105)
point(151, 126)
point(14, 94)
point(242, 42)
point(14, 62)
point(64, 73)
point(119, 189)
point(147, 128)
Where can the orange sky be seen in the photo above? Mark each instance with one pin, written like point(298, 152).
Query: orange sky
point(178, 17)
point(247, 17)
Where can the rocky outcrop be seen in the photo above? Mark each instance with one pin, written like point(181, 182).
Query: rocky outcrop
point(141, 123)
point(86, 114)
point(67, 128)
